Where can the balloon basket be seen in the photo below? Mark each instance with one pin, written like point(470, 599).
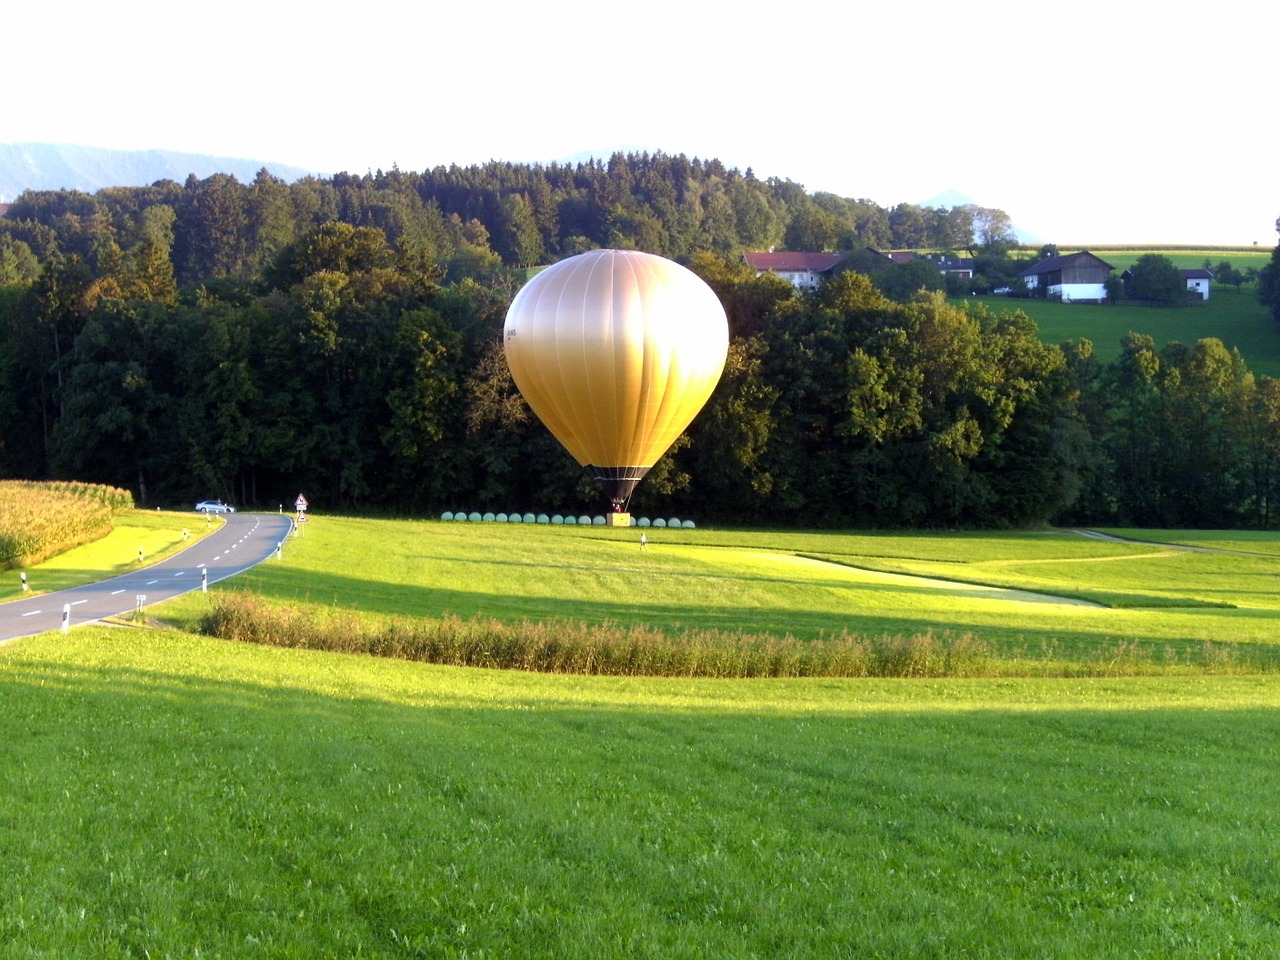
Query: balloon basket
point(618, 519)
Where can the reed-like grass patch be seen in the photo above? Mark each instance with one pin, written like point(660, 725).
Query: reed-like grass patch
point(609, 649)
point(558, 646)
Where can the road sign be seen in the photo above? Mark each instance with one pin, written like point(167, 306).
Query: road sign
point(300, 503)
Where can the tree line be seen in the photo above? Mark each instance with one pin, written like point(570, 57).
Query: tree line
point(342, 337)
point(475, 219)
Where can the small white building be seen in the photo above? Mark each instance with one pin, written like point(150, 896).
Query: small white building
point(1198, 282)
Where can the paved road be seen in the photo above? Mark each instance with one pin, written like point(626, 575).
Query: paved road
point(246, 539)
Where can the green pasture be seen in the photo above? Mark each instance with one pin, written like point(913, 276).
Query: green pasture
point(1184, 258)
point(174, 795)
point(1234, 317)
point(1036, 597)
point(168, 795)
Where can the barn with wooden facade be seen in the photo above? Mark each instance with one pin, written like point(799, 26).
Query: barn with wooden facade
point(1075, 278)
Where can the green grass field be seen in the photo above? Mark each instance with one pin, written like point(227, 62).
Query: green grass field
point(806, 585)
point(172, 795)
point(1235, 318)
point(1184, 258)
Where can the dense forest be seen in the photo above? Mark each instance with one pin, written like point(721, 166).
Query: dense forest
point(342, 337)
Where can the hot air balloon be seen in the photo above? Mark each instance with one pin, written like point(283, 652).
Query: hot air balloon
point(616, 351)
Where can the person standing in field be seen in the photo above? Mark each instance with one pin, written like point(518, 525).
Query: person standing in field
point(644, 542)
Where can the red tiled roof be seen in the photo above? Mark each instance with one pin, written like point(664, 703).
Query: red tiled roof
point(4, 209)
point(817, 262)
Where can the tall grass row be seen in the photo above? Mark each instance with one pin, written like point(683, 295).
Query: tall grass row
point(592, 649)
point(568, 647)
point(39, 520)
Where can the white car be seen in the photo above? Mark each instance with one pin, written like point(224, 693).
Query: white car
point(214, 506)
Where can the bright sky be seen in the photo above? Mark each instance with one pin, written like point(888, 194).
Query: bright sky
point(1089, 122)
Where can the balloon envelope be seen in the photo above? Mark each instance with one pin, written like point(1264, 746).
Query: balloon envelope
point(616, 351)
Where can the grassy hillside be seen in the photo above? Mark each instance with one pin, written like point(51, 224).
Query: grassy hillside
point(1235, 318)
point(1184, 258)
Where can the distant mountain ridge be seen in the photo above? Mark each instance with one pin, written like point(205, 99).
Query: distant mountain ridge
point(53, 166)
point(954, 198)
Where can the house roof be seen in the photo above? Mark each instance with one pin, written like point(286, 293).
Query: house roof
point(897, 256)
point(1050, 264)
point(793, 260)
point(4, 209)
point(1199, 273)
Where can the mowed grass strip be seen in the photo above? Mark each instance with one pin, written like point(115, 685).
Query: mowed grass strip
point(1166, 604)
point(175, 796)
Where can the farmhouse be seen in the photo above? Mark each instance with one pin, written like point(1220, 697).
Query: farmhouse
point(804, 271)
point(1075, 278)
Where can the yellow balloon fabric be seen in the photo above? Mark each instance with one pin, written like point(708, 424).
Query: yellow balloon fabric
point(616, 351)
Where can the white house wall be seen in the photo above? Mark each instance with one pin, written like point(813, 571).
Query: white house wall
point(1079, 291)
point(1199, 286)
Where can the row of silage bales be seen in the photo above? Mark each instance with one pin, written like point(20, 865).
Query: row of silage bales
point(475, 516)
point(582, 520)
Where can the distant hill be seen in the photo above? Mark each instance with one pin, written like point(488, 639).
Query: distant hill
point(954, 198)
point(52, 166)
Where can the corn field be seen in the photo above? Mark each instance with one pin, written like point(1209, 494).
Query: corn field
point(41, 519)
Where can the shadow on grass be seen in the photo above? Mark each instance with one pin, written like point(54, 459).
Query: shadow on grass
point(664, 612)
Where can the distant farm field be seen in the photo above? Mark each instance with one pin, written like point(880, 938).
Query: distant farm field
point(1232, 315)
point(1184, 258)
point(1235, 318)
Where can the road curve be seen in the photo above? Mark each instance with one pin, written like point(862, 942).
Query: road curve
point(246, 539)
